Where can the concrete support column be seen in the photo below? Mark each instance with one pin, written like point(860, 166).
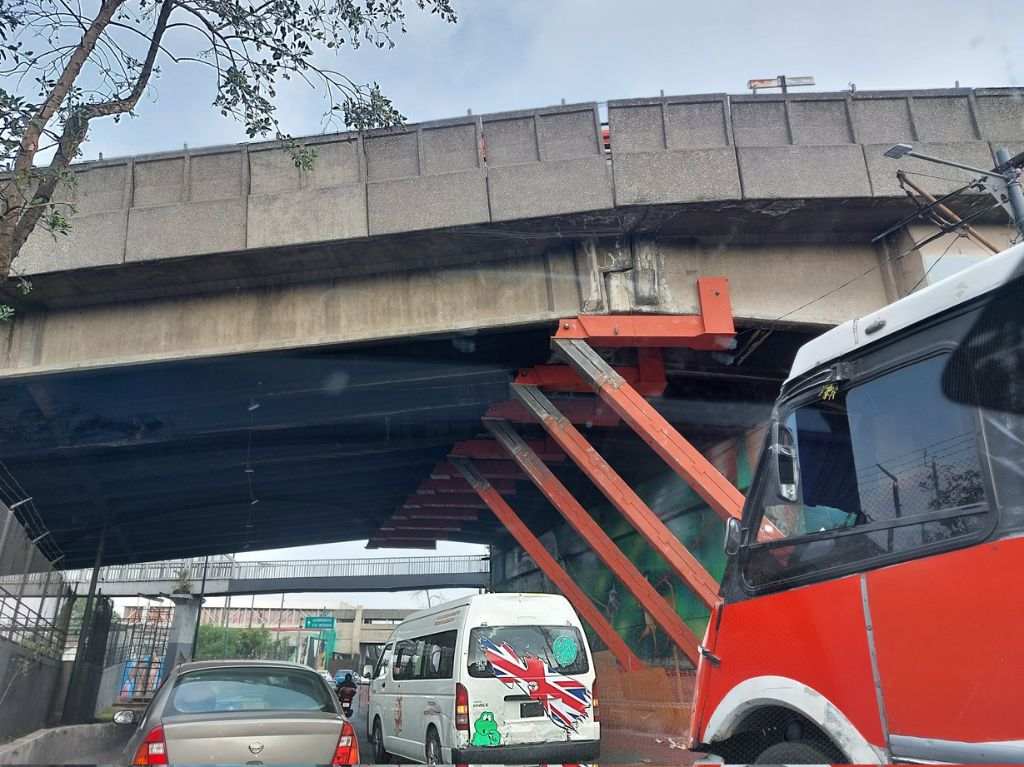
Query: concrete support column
point(182, 634)
point(357, 630)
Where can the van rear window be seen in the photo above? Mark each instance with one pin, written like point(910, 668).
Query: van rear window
point(560, 647)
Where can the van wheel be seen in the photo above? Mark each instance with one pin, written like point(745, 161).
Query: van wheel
point(793, 752)
point(380, 756)
point(433, 748)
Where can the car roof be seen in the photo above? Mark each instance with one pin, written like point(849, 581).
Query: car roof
point(204, 664)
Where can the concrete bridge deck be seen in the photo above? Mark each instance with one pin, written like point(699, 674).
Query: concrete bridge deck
point(474, 223)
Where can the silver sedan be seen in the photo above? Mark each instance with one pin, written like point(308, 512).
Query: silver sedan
point(255, 712)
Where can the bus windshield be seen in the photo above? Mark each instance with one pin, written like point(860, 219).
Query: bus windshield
point(883, 467)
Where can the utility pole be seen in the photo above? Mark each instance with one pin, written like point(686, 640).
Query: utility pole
point(1013, 189)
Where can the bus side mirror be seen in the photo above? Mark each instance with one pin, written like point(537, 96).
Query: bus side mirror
point(786, 467)
point(732, 536)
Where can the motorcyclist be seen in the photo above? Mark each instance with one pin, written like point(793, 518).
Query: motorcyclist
point(346, 690)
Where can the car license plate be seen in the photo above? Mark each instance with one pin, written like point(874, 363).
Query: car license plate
point(531, 709)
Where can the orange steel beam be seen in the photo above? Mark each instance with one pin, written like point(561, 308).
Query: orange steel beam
point(414, 512)
point(648, 377)
point(660, 610)
point(446, 486)
point(622, 496)
point(485, 449)
point(547, 564)
point(590, 411)
point(709, 483)
point(711, 329)
point(467, 500)
point(489, 469)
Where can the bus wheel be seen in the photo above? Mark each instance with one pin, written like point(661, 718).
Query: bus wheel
point(793, 752)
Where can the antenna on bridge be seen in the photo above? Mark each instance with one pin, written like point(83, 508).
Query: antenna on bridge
point(782, 81)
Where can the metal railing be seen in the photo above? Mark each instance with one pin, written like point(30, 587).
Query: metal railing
point(192, 569)
point(26, 627)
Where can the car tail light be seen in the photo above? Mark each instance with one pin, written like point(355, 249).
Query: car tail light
point(347, 750)
point(153, 748)
point(595, 705)
point(461, 708)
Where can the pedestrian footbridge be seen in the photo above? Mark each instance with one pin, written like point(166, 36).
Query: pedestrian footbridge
point(223, 577)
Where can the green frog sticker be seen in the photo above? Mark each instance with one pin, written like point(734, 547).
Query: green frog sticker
point(485, 731)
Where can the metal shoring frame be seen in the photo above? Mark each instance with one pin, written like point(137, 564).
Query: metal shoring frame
point(548, 565)
point(580, 520)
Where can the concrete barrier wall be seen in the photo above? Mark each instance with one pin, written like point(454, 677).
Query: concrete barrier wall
point(110, 686)
point(26, 688)
point(679, 149)
point(517, 165)
point(76, 744)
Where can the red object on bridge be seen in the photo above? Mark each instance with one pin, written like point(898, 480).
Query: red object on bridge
point(622, 496)
point(467, 500)
point(486, 449)
point(416, 512)
point(579, 519)
point(551, 569)
point(708, 482)
point(446, 486)
point(647, 377)
point(490, 470)
point(712, 329)
point(589, 412)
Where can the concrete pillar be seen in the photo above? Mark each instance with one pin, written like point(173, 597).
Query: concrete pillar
point(357, 628)
point(182, 634)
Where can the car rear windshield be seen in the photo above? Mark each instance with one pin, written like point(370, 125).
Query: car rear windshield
point(249, 689)
point(560, 647)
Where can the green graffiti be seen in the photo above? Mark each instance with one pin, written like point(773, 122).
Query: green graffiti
point(690, 519)
point(565, 650)
point(485, 731)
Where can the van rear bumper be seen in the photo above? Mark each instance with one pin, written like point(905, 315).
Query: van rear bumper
point(559, 752)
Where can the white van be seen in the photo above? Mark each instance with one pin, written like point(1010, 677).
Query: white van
point(493, 678)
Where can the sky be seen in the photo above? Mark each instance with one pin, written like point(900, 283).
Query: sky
point(515, 54)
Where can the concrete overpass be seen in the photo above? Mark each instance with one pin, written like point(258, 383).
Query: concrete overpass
point(228, 353)
point(224, 578)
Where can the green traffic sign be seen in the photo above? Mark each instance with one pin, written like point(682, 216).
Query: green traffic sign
point(319, 622)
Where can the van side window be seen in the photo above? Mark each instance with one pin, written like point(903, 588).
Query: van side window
point(408, 659)
point(428, 657)
point(382, 663)
point(439, 659)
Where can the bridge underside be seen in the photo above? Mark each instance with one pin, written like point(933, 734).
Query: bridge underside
point(289, 448)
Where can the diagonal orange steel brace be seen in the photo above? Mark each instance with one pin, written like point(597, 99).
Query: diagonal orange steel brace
point(547, 564)
point(622, 496)
point(580, 520)
point(708, 482)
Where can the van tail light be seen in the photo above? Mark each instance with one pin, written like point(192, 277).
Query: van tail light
point(153, 748)
point(595, 705)
point(347, 750)
point(461, 708)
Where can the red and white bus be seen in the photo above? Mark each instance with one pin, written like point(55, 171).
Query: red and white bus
point(873, 608)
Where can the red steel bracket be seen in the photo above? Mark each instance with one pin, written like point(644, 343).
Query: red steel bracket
point(647, 377)
point(711, 329)
point(589, 412)
point(487, 449)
